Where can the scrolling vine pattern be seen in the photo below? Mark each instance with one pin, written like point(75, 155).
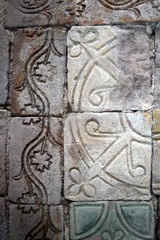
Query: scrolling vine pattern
point(41, 159)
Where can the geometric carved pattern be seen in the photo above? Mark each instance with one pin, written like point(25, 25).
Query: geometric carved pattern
point(106, 70)
point(107, 156)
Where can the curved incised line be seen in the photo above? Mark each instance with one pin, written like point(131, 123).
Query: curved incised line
point(41, 138)
point(43, 225)
point(34, 9)
point(126, 5)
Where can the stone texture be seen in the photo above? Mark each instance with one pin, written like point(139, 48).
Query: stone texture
point(157, 70)
point(31, 13)
point(3, 136)
point(158, 222)
point(156, 152)
point(107, 156)
point(35, 160)
point(44, 223)
point(4, 64)
point(112, 220)
point(108, 68)
point(2, 219)
point(38, 71)
point(2, 13)
point(97, 12)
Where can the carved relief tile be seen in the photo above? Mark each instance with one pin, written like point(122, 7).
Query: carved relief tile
point(107, 156)
point(4, 64)
point(35, 161)
point(112, 220)
point(38, 72)
point(31, 13)
point(30, 222)
point(2, 219)
point(3, 150)
point(97, 12)
point(156, 152)
point(108, 68)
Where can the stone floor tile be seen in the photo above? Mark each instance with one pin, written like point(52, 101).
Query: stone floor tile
point(31, 13)
point(156, 99)
point(112, 221)
point(108, 68)
point(4, 65)
point(36, 222)
point(3, 136)
point(156, 152)
point(38, 71)
point(97, 12)
point(35, 160)
point(107, 156)
point(2, 219)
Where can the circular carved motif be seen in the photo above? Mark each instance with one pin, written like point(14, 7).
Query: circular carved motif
point(118, 4)
point(33, 6)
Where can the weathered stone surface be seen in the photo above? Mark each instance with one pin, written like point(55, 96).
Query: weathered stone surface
point(112, 220)
point(107, 156)
point(4, 64)
point(1, 12)
point(37, 221)
point(35, 160)
point(3, 135)
point(97, 12)
point(157, 70)
point(156, 152)
point(2, 219)
point(38, 71)
point(158, 224)
point(108, 68)
point(31, 13)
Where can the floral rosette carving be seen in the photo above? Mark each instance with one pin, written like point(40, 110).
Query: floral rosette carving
point(80, 38)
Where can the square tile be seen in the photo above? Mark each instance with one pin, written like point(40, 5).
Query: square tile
point(107, 156)
point(32, 13)
point(35, 160)
point(108, 69)
point(97, 12)
point(3, 224)
point(112, 220)
point(36, 222)
point(3, 150)
point(38, 72)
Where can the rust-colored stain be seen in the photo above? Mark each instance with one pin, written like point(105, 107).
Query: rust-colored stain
point(156, 124)
point(148, 117)
point(126, 19)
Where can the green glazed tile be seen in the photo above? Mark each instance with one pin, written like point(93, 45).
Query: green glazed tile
point(112, 221)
